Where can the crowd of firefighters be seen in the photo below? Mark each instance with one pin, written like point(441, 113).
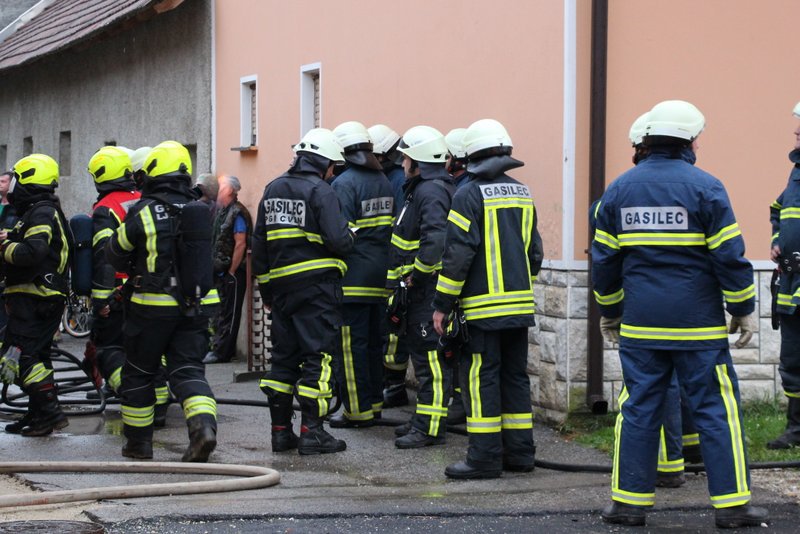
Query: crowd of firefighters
point(374, 249)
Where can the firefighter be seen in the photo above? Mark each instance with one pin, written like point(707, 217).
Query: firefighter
point(395, 353)
point(111, 170)
point(36, 253)
point(666, 234)
point(299, 243)
point(367, 203)
point(161, 320)
point(415, 260)
point(493, 252)
point(457, 167)
point(786, 252)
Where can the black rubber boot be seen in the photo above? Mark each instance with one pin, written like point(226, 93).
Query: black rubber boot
point(281, 412)
point(791, 437)
point(17, 426)
point(202, 438)
point(160, 415)
point(416, 439)
point(692, 454)
point(740, 516)
point(625, 514)
point(464, 471)
point(667, 479)
point(47, 415)
point(314, 439)
point(140, 442)
point(403, 429)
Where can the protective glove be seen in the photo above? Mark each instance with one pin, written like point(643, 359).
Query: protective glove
point(9, 365)
point(745, 324)
point(609, 326)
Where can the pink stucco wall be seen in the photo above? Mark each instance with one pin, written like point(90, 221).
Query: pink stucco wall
point(735, 60)
point(444, 63)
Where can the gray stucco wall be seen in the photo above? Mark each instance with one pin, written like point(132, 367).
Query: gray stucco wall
point(137, 87)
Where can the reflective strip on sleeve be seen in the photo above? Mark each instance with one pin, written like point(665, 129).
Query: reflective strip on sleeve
point(740, 296)
point(40, 229)
point(790, 213)
point(101, 294)
point(425, 268)
point(404, 244)
point(459, 220)
point(448, 286)
point(608, 300)
point(606, 239)
point(661, 239)
point(729, 232)
point(8, 253)
point(776, 205)
point(105, 233)
point(122, 237)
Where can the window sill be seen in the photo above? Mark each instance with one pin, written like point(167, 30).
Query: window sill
point(251, 148)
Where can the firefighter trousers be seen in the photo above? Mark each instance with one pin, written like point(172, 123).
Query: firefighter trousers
point(496, 391)
point(231, 289)
point(149, 341)
point(712, 393)
point(359, 362)
point(789, 366)
point(434, 378)
point(305, 331)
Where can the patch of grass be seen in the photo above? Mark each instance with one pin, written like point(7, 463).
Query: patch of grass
point(763, 422)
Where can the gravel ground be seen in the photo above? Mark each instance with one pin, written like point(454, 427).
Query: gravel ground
point(783, 481)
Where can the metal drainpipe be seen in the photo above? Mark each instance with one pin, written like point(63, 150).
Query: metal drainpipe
point(597, 183)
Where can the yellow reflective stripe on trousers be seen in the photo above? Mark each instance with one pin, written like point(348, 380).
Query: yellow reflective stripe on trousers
point(448, 286)
point(606, 239)
point(350, 373)
point(729, 232)
point(37, 373)
point(665, 465)
point(608, 300)
point(662, 239)
point(676, 334)
point(405, 244)
point(281, 387)
point(791, 394)
point(691, 439)
point(199, 404)
point(323, 383)
point(150, 238)
point(790, 213)
point(138, 417)
point(162, 394)
point(290, 233)
point(358, 291)
point(459, 220)
point(484, 425)
point(437, 385)
point(736, 436)
point(516, 421)
point(740, 296)
point(116, 379)
point(618, 494)
point(310, 265)
point(474, 378)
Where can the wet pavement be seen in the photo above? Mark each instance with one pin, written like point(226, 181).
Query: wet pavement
point(371, 487)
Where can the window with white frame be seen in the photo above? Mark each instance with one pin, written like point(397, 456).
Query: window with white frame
point(249, 113)
point(310, 97)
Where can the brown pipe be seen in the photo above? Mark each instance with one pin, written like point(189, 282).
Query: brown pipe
point(597, 183)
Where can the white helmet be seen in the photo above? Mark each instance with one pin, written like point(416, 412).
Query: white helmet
point(455, 142)
point(424, 144)
point(321, 141)
point(675, 118)
point(636, 135)
point(138, 156)
point(383, 138)
point(353, 134)
point(796, 110)
point(486, 134)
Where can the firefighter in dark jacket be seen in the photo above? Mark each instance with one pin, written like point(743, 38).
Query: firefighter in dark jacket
point(367, 203)
point(666, 234)
point(159, 321)
point(36, 253)
point(785, 219)
point(493, 253)
point(415, 260)
point(299, 244)
point(112, 172)
point(395, 357)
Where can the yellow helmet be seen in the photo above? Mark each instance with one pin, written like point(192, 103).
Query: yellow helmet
point(166, 159)
point(110, 163)
point(36, 169)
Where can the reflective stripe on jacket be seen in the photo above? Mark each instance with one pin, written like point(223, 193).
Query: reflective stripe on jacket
point(785, 219)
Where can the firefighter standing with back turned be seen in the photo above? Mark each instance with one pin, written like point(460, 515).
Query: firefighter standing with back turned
point(160, 320)
point(667, 246)
point(36, 253)
point(492, 255)
point(299, 243)
point(785, 218)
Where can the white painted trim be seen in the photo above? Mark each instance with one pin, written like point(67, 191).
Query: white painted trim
point(569, 129)
point(24, 18)
point(245, 112)
point(307, 95)
point(213, 140)
point(561, 265)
